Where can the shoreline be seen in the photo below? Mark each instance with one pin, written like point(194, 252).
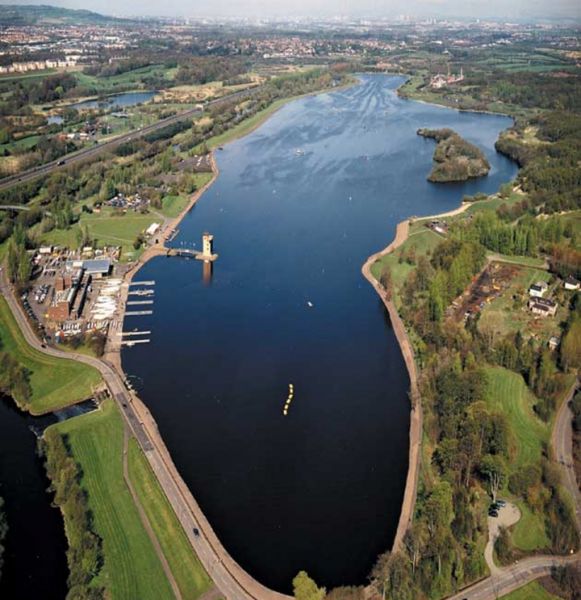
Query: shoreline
point(407, 351)
point(219, 564)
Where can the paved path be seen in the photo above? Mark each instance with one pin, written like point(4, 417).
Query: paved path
point(416, 415)
point(507, 516)
point(229, 577)
point(511, 578)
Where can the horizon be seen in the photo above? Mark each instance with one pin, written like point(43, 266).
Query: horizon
point(494, 10)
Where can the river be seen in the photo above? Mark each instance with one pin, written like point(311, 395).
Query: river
point(298, 207)
point(35, 564)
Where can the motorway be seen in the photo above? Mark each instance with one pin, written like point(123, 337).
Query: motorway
point(229, 577)
point(82, 155)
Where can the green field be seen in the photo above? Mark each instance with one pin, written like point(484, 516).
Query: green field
point(508, 394)
point(131, 568)
point(531, 591)
point(189, 574)
point(105, 228)
point(55, 382)
point(529, 533)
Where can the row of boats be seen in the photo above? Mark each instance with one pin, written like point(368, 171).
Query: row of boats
point(291, 393)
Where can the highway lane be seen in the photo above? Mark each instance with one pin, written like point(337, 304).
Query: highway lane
point(228, 576)
point(82, 155)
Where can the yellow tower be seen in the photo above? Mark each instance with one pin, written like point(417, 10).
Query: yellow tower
point(207, 245)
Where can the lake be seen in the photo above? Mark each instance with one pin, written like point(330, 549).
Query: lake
point(116, 100)
point(298, 207)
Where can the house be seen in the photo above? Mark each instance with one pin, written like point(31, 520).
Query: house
point(538, 290)
point(554, 342)
point(571, 283)
point(542, 307)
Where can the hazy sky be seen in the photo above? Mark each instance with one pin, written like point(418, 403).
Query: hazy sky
point(524, 9)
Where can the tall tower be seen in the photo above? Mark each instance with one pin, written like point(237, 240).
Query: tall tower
point(207, 245)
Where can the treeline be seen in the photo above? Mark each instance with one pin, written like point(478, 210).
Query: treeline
point(204, 69)
point(550, 171)
point(435, 282)
point(84, 554)
point(46, 89)
point(528, 89)
point(119, 67)
point(14, 379)
point(469, 444)
point(525, 236)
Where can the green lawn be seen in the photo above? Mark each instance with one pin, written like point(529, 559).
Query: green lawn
point(106, 229)
point(131, 568)
point(508, 394)
point(531, 591)
point(55, 382)
point(189, 574)
point(173, 205)
point(529, 533)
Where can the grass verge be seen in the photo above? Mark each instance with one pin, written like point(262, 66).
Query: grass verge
point(55, 382)
point(531, 591)
point(187, 570)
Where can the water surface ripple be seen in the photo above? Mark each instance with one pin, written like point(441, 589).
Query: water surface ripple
point(320, 489)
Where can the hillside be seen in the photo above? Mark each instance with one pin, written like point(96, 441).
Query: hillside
point(455, 159)
point(11, 14)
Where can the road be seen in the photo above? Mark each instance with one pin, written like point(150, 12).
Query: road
point(511, 578)
point(562, 442)
point(70, 159)
point(229, 577)
point(505, 580)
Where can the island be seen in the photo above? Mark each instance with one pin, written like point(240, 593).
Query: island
point(455, 159)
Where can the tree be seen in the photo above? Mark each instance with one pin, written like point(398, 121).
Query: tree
point(386, 281)
point(305, 588)
point(493, 469)
point(571, 346)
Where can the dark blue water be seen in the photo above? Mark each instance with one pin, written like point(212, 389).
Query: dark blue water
point(117, 100)
point(320, 489)
point(35, 564)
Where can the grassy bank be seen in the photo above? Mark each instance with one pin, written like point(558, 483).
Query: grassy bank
point(55, 382)
point(247, 126)
point(531, 591)
point(187, 570)
point(508, 394)
point(131, 568)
